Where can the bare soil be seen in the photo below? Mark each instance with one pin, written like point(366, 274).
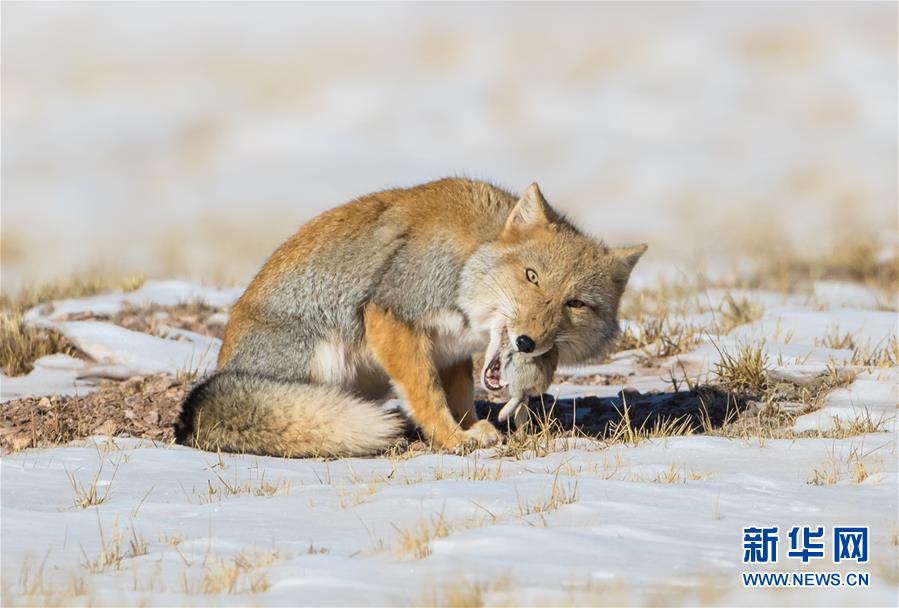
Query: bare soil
point(143, 406)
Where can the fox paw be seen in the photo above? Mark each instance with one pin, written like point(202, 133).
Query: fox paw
point(482, 434)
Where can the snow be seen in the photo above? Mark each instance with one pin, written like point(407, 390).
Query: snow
point(117, 352)
point(162, 293)
point(52, 375)
point(626, 537)
point(122, 353)
point(871, 395)
point(850, 295)
point(318, 532)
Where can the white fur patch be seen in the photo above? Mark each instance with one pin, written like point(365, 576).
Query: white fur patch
point(451, 338)
point(332, 363)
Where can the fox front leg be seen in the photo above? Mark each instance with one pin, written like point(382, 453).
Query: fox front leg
point(405, 354)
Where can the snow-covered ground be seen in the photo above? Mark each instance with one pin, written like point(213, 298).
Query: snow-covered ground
point(591, 523)
point(338, 533)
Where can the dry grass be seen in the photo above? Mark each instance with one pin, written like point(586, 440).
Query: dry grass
point(659, 336)
point(672, 474)
point(827, 476)
point(749, 401)
point(111, 549)
point(852, 468)
point(665, 298)
point(626, 431)
point(544, 435)
point(854, 257)
point(462, 593)
point(836, 340)
point(74, 287)
point(745, 372)
point(653, 316)
point(564, 491)
point(884, 355)
point(415, 542)
point(775, 403)
point(20, 344)
point(238, 575)
point(861, 425)
point(734, 313)
point(353, 497)
point(656, 324)
point(257, 485)
point(85, 496)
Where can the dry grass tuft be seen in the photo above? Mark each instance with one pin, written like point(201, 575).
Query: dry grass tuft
point(20, 344)
point(884, 355)
point(463, 593)
point(238, 575)
point(672, 474)
point(563, 492)
point(745, 372)
point(861, 425)
point(737, 312)
point(258, 485)
point(827, 476)
point(659, 336)
point(111, 552)
point(416, 541)
point(626, 431)
point(834, 339)
point(854, 468)
point(90, 495)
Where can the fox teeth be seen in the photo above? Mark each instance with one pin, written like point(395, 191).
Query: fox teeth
point(492, 374)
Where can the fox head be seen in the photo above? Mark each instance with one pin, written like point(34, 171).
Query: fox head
point(543, 283)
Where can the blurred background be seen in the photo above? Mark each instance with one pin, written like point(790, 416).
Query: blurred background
point(188, 140)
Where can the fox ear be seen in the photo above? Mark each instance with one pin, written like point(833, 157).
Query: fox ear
point(624, 260)
point(530, 210)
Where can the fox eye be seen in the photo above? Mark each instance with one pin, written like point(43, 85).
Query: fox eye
point(531, 275)
point(575, 304)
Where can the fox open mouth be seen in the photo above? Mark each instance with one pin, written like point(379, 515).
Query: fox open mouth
point(493, 379)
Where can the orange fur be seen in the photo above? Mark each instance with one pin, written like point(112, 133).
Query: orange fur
point(404, 353)
point(458, 384)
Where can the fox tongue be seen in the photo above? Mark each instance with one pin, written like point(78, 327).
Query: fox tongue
point(492, 377)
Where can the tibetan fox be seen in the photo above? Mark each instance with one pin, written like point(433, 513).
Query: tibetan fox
point(395, 291)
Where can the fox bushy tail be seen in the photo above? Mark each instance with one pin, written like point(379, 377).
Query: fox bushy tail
point(243, 412)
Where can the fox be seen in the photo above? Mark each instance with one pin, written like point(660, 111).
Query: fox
point(391, 294)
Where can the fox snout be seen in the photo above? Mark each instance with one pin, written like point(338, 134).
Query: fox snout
point(534, 331)
point(525, 344)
